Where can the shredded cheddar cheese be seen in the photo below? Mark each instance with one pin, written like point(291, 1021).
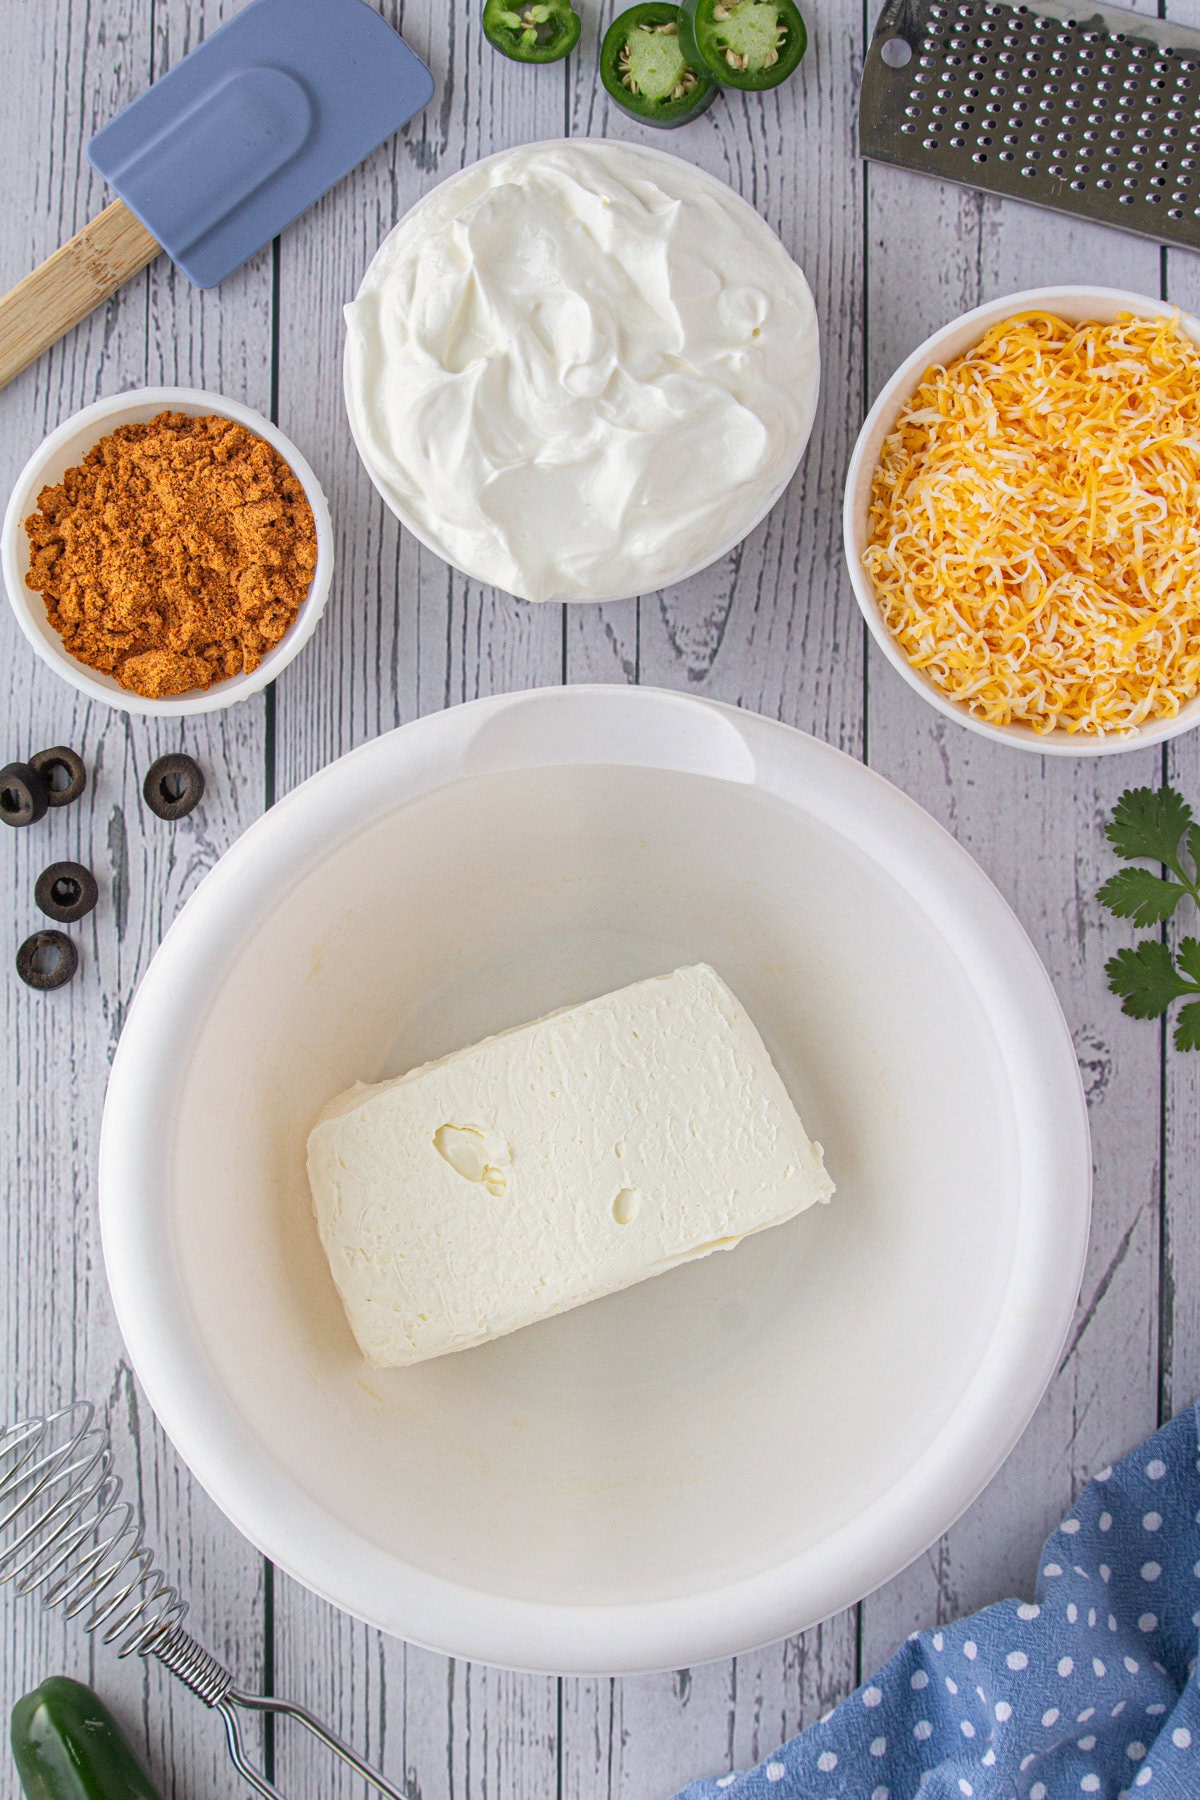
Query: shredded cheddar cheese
point(1035, 524)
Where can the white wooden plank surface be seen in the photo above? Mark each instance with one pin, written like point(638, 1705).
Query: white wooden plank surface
point(773, 627)
point(1034, 824)
point(65, 72)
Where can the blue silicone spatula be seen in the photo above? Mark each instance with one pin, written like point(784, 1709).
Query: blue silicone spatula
point(216, 158)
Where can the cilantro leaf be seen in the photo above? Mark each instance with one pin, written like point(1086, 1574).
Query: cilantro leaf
point(1192, 841)
point(1187, 1027)
point(1188, 957)
point(1141, 895)
point(1149, 822)
point(1145, 978)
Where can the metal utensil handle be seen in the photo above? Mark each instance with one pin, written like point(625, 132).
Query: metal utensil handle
point(288, 1709)
point(74, 1540)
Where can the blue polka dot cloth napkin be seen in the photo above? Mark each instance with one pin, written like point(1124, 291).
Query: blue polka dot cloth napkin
point(1089, 1689)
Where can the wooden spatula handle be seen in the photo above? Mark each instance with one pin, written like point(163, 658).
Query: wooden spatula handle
point(71, 284)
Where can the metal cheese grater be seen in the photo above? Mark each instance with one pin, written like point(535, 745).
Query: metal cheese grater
point(1094, 113)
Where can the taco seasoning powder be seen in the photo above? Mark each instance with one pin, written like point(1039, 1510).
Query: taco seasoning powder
point(176, 555)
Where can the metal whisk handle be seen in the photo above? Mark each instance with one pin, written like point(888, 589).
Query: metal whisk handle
point(66, 1533)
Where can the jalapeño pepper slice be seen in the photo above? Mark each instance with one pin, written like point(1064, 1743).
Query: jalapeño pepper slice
point(752, 44)
point(531, 31)
point(643, 67)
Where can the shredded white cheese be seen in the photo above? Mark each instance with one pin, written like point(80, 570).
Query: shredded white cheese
point(1035, 524)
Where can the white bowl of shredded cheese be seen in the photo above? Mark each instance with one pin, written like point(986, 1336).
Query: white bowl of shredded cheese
point(1051, 607)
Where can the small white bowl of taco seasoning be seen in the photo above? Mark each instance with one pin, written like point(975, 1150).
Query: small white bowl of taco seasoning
point(66, 448)
point(932, 630)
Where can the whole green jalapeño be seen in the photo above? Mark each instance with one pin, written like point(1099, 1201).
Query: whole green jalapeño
point(531, 31)
point(752, 44)
point(67, 1746)
point(644, 68)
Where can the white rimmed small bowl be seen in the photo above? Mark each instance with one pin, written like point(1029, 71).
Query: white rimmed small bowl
point(666, 165)
point(1074, 304)
point(67, 447)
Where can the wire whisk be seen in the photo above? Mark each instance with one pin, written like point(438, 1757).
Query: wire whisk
point(68, 1536)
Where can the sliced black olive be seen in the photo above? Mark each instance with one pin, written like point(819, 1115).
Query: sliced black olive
point(48, 959)
point(56, 764)
point(24, 794)
point(173, 786)
point(66, 891)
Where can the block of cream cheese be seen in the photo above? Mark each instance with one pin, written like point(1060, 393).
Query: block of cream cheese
point(555, 1163)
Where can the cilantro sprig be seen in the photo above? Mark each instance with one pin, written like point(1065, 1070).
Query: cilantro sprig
point(1155, 825)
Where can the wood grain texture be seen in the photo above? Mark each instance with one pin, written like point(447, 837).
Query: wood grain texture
point(773, 627)
point(403, 635)
point(73, 67)
point(72, 282)
point(1180, 1240)
point(1035, 826)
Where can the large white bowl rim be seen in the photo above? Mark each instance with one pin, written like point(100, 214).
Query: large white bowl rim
point(1074, 304)
point(643, 728)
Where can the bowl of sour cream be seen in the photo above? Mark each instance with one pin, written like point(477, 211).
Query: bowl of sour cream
point(581, 370)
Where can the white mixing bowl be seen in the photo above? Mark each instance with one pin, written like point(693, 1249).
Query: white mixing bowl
point(718, 1456)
